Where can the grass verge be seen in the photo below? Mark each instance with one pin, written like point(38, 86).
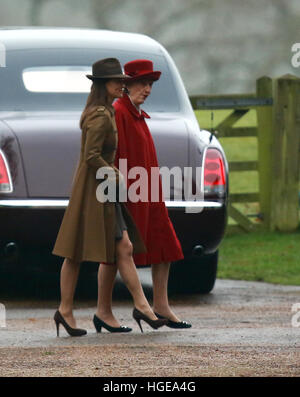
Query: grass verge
point(271, 257)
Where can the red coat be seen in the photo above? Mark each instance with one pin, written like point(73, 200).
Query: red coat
point(135, 144)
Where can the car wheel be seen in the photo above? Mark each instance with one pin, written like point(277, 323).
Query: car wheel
point(194, 274)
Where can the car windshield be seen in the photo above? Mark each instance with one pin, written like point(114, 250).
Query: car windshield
point(54, 79)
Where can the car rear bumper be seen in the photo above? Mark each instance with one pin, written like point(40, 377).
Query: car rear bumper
point(36, 222)
point(42, 203)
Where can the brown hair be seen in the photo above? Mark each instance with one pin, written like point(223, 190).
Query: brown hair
point(97, 97)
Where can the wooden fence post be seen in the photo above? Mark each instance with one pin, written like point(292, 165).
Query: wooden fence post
point(286, 138)
point(265, 137)
point(277, 103)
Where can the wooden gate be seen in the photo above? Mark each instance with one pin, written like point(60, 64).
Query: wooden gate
point(277, 105)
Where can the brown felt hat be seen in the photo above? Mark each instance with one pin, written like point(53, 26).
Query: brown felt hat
point(108, 68)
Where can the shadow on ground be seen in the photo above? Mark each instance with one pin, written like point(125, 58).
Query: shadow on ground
point(38, 276)
point(45, 286)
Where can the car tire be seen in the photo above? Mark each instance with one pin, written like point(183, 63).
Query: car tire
point(194, 274)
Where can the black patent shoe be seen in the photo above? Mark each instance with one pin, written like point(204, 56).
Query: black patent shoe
point(99, 324)
point(155, 324)
point(58, 318)
point(175, 324)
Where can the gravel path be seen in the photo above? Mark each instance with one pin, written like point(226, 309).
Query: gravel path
point(240, 329)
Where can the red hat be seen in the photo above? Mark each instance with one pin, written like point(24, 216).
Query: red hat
point(141, 68)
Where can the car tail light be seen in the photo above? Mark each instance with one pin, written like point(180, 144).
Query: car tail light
point(5, 179)
point(214, 173)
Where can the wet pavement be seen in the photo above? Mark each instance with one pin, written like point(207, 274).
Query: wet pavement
point(240, 329)
point(235, 313)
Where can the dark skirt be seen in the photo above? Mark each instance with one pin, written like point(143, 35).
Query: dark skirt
point(120, 222)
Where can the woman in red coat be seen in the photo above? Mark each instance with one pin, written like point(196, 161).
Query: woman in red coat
point(135, 144)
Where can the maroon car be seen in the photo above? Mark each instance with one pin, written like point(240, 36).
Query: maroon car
point(43, 92)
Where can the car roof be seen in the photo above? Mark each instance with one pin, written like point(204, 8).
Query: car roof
point(22, 37)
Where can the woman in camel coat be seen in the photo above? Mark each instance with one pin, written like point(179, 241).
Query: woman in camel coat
point(88, 228)
point(92, 230)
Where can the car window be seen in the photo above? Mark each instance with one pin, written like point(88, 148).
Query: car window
point(61, 79)
point(54, 79)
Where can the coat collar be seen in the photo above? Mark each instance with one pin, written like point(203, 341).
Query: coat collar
point(129, 105)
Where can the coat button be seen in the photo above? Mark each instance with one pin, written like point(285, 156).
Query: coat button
point(100, 109)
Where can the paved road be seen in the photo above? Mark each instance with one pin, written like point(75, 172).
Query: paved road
point(237, 317)
point(236, 312)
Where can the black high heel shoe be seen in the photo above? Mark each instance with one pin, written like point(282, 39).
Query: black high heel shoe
point(174, 324)
point(138, 316)
point(98, 323)
point(58, 318)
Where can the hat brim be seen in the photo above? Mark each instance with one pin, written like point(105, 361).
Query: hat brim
point(146, 75)
point(112, 76)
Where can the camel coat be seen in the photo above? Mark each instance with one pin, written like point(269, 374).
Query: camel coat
point(87, 231)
